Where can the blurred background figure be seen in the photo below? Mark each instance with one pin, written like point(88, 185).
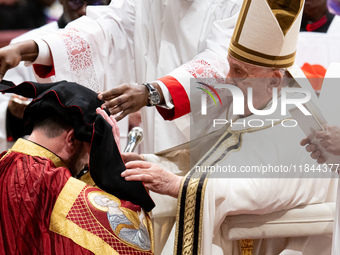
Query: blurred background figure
point(12, 107)
point(334, 6)
point(23, 14)
point(316, 16)
point(72, 9)
point(318, 44)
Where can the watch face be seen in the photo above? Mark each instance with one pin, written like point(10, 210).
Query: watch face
point(155, 98)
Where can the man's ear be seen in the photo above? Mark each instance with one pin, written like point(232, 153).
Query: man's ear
point(276, 79)
point(70, 139)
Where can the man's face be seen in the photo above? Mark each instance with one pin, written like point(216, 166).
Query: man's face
point(314, 9)
point(245, 75)
point(314, 3)
point(74, 9)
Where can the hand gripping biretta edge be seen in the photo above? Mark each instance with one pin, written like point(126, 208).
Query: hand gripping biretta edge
point(77, 105)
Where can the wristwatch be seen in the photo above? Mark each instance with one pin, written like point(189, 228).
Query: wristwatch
point(154, 96)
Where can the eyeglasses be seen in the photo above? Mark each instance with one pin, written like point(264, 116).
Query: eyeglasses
point(77, 4)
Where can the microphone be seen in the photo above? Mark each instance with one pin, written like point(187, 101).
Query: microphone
point(135, 137)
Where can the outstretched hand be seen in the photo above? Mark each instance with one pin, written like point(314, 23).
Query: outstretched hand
point(124, 99)
point(111, 120)
point(313, 149)
point(9, 58)
point(329, 140)
point(11, 55)
point(154, 177)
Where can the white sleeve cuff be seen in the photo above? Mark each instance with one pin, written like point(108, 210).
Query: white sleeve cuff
point(167, 96)
point(44, 56)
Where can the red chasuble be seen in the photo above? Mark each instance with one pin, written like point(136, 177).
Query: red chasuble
point(46, 211)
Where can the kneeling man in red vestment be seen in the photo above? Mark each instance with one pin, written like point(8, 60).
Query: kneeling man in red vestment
point(44, 209)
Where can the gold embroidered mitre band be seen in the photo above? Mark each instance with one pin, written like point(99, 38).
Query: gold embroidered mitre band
point(266, 32)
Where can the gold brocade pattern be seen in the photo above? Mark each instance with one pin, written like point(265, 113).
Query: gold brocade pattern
point(247, 246)
point(35, 150)
point(189, 222)
point(191, 195)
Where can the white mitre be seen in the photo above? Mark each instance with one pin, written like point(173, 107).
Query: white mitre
point(266, 32)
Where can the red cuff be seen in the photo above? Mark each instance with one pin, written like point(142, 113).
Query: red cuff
point(44, 71)
point(179, 96)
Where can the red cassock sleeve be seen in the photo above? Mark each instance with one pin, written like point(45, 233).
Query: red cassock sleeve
point(44, 71)
point(179, 96)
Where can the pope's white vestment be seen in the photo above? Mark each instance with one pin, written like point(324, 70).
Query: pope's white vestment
point(133, 41)
point(273, 147)
point(240, 190)
point(329, 101)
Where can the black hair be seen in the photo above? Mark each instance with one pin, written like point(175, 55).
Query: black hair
point(51, 123)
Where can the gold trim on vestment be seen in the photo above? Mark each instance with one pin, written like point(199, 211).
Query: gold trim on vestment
point(240, 21)
point(88, 179)
point(35, 150)
point(247, 246)
point(149, 226)
point(191, 195)
point(250, 57)
point(189, 214)
point(178, 212)
point(255, 129)
point(190, 199)
point(201, 216)
point(128, 213)
point(262, 55)
point(62, 226)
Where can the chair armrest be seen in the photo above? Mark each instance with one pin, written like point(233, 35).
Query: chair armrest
point(307, 220)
